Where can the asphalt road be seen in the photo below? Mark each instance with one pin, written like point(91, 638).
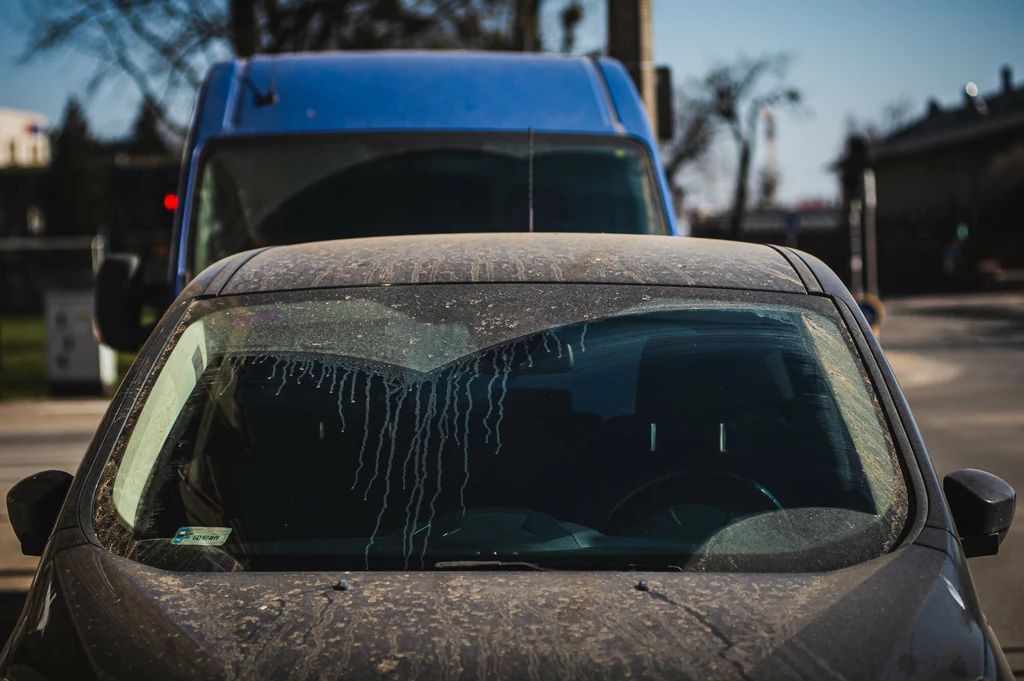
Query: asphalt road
point(36, 436)
point(960, 360)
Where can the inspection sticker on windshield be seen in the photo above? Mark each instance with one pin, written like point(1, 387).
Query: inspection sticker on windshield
point(201, 536)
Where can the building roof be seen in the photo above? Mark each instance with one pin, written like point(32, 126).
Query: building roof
point(976, 118)
point(510, 258)
point(23, 114)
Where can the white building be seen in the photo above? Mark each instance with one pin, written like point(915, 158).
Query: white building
point(24, 139)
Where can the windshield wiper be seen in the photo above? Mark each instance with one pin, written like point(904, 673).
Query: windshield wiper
point(523, 565)
point(487, 565)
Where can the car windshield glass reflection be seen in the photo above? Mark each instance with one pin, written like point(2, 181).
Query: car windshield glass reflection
point(391, 429)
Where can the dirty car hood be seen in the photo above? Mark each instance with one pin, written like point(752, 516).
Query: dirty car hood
point(902, 614)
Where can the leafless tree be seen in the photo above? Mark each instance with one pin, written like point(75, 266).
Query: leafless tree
point(695, 131)
point(166, 46)
point(897, 114)
point(767, 187)
point(78, 186)
point(571, 16)
point(737, 93)
point(892, 118)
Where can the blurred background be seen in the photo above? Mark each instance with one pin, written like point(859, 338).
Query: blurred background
point(885, 138)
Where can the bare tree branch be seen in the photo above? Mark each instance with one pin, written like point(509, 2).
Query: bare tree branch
point(735, 96)
point(697, 131)
point(164, 47)
point(571, 16)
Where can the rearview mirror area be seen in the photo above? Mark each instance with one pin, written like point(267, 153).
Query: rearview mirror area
point(117, 308)
point(983, 507)
point(33, 505)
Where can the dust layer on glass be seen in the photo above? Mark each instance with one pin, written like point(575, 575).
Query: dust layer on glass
point(392, 429)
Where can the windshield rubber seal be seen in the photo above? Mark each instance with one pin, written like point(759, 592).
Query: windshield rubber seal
point(129, 398)
point(917, 491)
point(133, 393)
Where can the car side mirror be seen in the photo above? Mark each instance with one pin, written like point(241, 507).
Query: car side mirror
point(982, 506)
point(117, 304)
point(33, 505)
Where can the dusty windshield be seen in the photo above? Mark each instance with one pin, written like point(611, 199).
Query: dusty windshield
point(307, 189)
point(561, 425)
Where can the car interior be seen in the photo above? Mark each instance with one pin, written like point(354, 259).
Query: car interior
point(690, 432)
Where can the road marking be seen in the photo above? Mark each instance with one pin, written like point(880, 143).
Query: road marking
point(916, 371)
point(962, 417)
point(97, 407)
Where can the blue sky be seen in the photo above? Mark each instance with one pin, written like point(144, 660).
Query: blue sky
point(850, 59)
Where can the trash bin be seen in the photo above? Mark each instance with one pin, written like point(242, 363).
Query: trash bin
point(75, 363)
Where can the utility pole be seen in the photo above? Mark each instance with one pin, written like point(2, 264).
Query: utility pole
point(870, 239)
point(853, 167)
point(859, 205)
point(630, 40)
point(856, 248)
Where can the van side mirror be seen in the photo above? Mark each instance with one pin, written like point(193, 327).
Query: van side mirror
point(33, 505)
point(117, 306)
point(666, 104)
point(982, 506)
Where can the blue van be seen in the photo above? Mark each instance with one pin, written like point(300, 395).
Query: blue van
point(307, 147)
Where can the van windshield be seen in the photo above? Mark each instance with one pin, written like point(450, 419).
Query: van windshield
point(294, 190)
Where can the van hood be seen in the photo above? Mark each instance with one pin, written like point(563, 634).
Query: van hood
point(904, 614)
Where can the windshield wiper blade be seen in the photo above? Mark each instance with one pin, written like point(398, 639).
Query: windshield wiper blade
point(487, 565)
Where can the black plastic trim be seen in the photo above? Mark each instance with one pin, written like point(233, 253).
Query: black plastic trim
point(121, 407)
point(231, 267)
point(183, 184)
point(802, 271)
point(938, 513)
point(609, 100)
point(917, 490)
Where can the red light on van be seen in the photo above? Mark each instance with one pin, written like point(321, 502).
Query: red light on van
point(170, 202)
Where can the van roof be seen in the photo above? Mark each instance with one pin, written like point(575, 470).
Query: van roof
point(421, 90)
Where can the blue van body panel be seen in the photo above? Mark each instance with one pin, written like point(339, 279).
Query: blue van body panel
point(335, 92)
point(425, 90)
point(634, 119)
point(213, 112)
point(626, 99)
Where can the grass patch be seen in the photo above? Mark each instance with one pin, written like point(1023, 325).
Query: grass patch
point(23, 359)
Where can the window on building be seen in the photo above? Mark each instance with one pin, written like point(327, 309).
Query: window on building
point(12, 152)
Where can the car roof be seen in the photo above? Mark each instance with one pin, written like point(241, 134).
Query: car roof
point(504, 258)
point(426, 90)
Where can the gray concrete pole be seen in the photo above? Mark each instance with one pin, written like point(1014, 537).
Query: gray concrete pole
point(870, 240)
point(856, 248)
point(631, 41)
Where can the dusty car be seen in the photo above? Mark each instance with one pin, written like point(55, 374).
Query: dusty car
point(508, 456)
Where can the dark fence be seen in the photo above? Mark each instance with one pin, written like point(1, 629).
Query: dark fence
point(31, 266)
point(918, 259)
point(40, 249)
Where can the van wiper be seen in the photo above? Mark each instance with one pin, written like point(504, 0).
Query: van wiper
point(487, 565)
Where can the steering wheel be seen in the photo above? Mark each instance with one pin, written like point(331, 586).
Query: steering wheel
point(631, 501)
